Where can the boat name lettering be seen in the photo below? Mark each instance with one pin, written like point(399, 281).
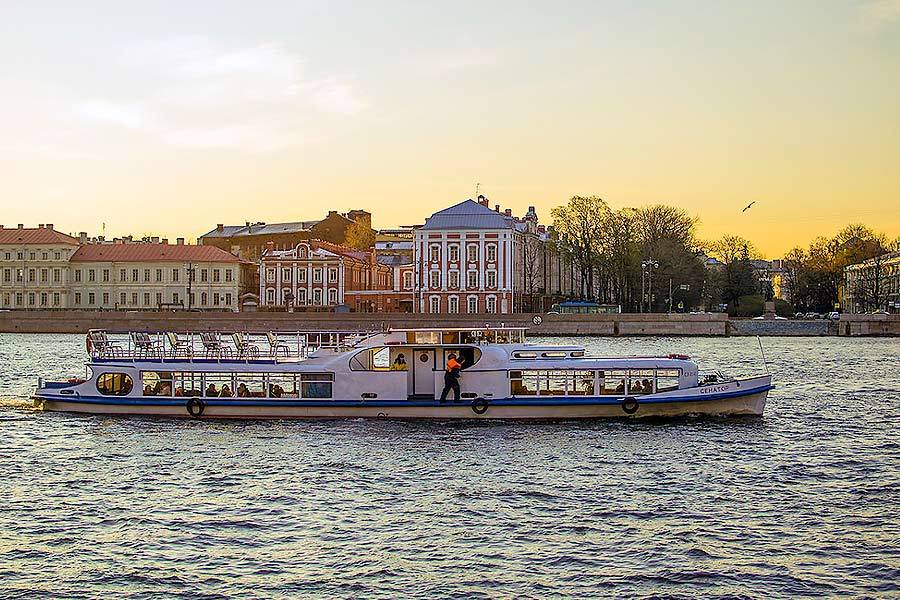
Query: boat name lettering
point(715, 389)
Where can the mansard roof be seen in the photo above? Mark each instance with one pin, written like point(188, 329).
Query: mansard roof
point(468, 215)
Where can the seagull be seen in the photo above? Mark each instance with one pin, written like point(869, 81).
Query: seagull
point(748, 206)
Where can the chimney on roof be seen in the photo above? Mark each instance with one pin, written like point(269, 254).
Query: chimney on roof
point(50, 226)
point(179, 241)
point(21, 226)
point(82, 237)
point(496, 208)
point(40, 226)
point(483, 201)
point(154, 239)
point(508, 212)
point(220, 227)
point(165, 241)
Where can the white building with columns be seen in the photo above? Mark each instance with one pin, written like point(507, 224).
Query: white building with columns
point(465, 260)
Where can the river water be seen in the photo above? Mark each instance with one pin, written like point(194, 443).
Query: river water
point(804, 501)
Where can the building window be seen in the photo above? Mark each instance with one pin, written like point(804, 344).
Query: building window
point(56, 275)
point(134, 299)
point(106, 275)
point(491, 252)
point(332, 275)
point(472, 280)
point(146, 298)
point(317, 297)
point(472, 252)
point(77, 275)
point(453, 280)
point(77, 298)
point(204, 298)
point(55, 298)
point(123, 299)
point(407, 280)
point(175, 275)
point(491, 277)
point(285, 274)
point(227, 296)
point(317, 275)
point(435, 253)
point(158, 298)
point(301, 296)
point(473, 304)
point(92, 298)
point(43, 298)
point(229, 276)
point(270, 275)
point(491, 305)
point(7, 276)
point(45, 275)
point(217, 276)
point(454, 253)
point(134, 275)
point(435, 304)
point(105, 298)
point(434, 280)
point(216, 299)
point(146, 275)
point(56, 256)
point(453, 304)
point(175, 298)
point(204, 275)
point(158, 275)
point(92, 276)
point(270, 296)
point(6, 298)
point(301, 276)
point(44, 256)
point(19, 300)
point(332, 296)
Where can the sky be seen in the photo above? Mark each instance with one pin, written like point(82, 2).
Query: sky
point(166, 118)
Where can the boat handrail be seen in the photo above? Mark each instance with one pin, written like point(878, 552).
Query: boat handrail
point(219, 346)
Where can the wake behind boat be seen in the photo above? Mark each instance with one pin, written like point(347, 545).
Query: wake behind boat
point(399, 373)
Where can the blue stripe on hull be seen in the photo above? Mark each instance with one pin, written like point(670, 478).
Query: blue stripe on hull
point(565, 401)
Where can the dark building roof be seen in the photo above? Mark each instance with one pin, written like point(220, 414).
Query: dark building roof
point(228, 231)
point(468, 215)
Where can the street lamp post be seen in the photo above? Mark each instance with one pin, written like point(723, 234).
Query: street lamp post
point(190, 280)
point(648, 266)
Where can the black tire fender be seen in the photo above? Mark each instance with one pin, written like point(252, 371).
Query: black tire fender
point(480, 406)
point(195, 407)
point(630, 405)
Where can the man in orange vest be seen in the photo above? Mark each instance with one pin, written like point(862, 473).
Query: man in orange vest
point(451, 377)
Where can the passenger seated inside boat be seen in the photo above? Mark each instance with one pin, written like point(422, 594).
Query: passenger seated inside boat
point(648, 387)
point(211, 391)
point(148, 391)
point(226, 392)
point(399, 363)
point(242, 391)
point(179, 391)
point(275, 391)
point(620, 389)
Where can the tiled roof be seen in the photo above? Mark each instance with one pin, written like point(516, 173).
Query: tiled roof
point(35, 235)
point(468, 215)
point(151, 253)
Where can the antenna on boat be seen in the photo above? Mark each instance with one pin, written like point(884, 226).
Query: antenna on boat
point(763, 352)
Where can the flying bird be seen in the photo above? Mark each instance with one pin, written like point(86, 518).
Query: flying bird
point(748, 206)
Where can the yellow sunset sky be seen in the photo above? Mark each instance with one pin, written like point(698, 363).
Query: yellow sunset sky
point(166, 118)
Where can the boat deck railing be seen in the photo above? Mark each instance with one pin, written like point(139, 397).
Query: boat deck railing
point(242, 346)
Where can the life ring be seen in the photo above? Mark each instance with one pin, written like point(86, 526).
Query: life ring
point(630, 405)
point(479, 406)
point(195, 407)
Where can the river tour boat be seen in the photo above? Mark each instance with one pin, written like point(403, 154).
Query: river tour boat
point(397, 373)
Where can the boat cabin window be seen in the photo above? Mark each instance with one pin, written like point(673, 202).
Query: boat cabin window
point(189, 384)
point(378, 359)
point(640, 381)
point(470, 356)
point(114, 384)
point(577, 382)
point(524, 354)
point(218, 385)
point(316, 385)
point(282, 385)
point(250, 385)
point(156, 383)
point(613, 383)
point(667, 379)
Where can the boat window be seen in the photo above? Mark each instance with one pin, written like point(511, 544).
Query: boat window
point(427, 337)
point(577, 354)
point(188, 384)
point(156, 383)
point(523, 383)
point(316, 385)
point(667, 379)
point(250, 385)
point(613, 383)
point(372, 359)
point(400, 359)
point(218, 385)
point(582, 383)
point(553, 355)
point(114, 384)
point(554, 384)
point(640, 381)
point(470, 356)
point(524, 354)
point(283, 385)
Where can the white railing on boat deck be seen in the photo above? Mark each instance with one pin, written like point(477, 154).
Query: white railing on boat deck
point(219, 346)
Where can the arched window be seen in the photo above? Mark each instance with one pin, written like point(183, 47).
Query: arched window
point(114, 384)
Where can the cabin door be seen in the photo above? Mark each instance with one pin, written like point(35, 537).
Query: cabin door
point(423, 372)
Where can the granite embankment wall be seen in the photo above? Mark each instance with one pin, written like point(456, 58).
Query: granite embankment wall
point(605, 325)
point(552, 325)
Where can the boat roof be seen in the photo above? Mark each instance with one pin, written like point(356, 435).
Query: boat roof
point(486, 328)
